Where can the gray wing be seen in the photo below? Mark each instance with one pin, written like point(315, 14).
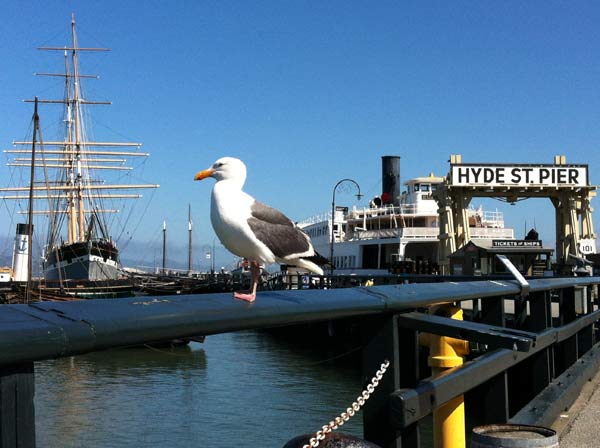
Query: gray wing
point(268, 214)
point(278, 232)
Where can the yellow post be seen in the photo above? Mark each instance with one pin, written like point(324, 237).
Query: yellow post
point(444, 353)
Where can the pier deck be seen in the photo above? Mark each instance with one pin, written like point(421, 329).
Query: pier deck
point(578, 426)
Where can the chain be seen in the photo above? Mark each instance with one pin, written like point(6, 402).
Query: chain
point(353, 409)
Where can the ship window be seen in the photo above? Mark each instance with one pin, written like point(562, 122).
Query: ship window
point(417, 187)
point(434, 187)
point(425, 187)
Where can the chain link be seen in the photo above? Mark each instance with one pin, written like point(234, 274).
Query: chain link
point(353, 409)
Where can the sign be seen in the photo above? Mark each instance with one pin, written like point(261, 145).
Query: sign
point(516, 243)
point(587, 246)
point(520, 175)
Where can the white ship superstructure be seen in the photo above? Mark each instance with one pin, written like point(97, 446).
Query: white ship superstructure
point(401, 236)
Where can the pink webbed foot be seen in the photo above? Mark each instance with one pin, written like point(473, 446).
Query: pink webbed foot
point(244, 296)
point(250, 295)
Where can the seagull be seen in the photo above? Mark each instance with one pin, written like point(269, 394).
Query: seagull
point(253, 230)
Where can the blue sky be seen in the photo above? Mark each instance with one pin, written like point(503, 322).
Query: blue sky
point(310, 92)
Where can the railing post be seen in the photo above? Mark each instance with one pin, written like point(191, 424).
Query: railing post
point(540, 318)
point(585, 337)
point(531, 376)
point(493, 395)
point(17, 415)
point(409, 377)
point(565, 353)
point(381, 342)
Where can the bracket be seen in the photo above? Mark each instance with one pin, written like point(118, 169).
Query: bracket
point(516, 274)
point(496, 337)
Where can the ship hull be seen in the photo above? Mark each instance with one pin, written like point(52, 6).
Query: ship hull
point(91, 260)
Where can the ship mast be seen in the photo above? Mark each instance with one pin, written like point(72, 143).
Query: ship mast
point(189, 239)
point(79, 214)
point(75, 158)
point(36, 126)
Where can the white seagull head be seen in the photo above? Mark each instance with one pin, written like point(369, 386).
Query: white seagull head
point(226, 168)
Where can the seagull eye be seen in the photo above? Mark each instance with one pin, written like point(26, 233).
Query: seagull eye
point(219, 165)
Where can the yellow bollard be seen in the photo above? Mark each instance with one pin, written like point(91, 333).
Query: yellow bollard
point(444, 353)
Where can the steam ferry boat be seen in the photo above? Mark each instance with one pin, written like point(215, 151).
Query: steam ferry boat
point(397, 232)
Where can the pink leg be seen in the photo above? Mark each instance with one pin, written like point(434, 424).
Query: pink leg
point(250, 295)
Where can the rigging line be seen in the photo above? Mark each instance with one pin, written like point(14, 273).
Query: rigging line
point(130, 216)
point(51, 217)
point(81, 31)
point(123, 225)
point(154, 243)
point(141, 217)
point(97, 122)
point(17, 203)
point(61, 32)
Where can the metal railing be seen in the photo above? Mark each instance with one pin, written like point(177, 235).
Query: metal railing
point(524, 343)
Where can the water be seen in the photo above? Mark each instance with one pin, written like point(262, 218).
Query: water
point(247, 389)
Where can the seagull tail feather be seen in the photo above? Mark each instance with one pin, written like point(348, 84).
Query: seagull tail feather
point(309, 265)
point(313, 263)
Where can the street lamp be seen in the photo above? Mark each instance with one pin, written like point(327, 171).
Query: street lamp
point(358, 196)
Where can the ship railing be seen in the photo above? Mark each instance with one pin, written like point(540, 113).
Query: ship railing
point(429, 233)
point(532, 344)
point(420, 232)
point(488, 218)
point(491, 232)
point(386, 210)
point(321, 217)
point(492, 218)
point(401, 232)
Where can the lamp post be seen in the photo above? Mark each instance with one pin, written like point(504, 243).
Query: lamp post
point(358, 196)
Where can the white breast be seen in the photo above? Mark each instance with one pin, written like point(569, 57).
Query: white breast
point(229, 213)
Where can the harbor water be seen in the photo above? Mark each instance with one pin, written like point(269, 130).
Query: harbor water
point(246, 389)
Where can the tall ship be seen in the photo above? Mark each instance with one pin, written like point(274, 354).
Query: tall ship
point(397, 231)
point(70, 181)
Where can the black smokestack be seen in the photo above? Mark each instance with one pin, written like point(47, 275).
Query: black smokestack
point(390, 180)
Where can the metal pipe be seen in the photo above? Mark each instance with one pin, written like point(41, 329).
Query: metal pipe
point(445, 353)
point(51, 329)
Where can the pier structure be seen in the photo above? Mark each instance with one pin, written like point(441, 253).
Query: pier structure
point(566, 185)
point(532, 346)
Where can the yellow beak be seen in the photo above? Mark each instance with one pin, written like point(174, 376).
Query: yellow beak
point(204, 174)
